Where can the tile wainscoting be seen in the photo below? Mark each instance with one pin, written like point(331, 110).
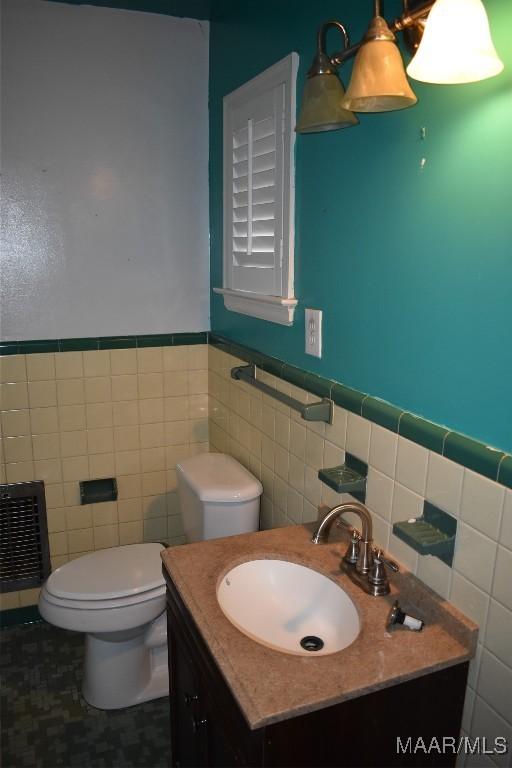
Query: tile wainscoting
point(285, 453)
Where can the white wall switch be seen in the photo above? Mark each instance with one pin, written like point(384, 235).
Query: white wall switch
point(314, 332)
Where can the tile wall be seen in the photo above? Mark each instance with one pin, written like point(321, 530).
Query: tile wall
point(124, 413)
point(285, 453)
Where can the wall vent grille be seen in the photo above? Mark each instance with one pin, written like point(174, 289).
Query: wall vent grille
point(24, 548)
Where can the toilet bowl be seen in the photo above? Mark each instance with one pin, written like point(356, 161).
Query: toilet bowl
point(117, 596)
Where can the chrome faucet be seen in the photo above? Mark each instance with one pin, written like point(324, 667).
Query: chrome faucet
point(363, 564)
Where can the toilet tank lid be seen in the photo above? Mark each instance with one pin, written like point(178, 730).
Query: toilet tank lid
point(219, 477)
point(109, 573)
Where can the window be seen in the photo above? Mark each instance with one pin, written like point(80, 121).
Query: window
point(259, 195)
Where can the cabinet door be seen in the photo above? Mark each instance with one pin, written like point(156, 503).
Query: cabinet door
point(189, 744)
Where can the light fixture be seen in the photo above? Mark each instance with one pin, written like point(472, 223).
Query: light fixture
point(452, 43)
point(464, 57)
point(322, 101)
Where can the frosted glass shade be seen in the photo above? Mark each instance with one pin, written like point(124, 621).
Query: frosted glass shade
point(322, 108)
point(456, 46)
point(378, 82)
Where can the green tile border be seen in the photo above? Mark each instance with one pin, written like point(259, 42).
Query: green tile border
point(487, 461)
point(102, 342)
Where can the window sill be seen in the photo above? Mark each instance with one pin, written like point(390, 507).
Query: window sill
point(272, 308)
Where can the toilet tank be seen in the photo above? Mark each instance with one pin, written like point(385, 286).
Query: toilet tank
point(218, 497)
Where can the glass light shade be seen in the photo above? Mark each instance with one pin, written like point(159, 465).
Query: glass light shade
point(378, 82)
point(322, 108)
point(456, 45)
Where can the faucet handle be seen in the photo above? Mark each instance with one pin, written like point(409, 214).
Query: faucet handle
point(379, 556)
point(351, 556)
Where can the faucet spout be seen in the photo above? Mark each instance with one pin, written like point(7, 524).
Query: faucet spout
point(365, 558)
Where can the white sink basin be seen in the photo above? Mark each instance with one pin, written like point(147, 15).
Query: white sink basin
point(280, 604)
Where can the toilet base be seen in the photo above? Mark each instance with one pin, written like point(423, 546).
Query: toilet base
point(122, 669)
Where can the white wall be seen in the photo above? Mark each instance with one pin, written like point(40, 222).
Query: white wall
point(105, 172)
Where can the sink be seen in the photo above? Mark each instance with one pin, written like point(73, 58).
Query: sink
point(288, 607)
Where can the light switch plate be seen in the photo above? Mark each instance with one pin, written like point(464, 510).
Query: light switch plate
point(314, 332)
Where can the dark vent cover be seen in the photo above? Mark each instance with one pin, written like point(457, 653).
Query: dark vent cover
point(24, 550)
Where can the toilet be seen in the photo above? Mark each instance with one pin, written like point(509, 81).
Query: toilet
point(117, 596)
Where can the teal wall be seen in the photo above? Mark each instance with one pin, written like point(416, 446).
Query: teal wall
point(412, 268)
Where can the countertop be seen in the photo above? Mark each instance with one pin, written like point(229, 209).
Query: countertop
point(271, 686)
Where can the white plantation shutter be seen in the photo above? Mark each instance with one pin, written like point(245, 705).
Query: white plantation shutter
point(258, 189)
point(257, 185)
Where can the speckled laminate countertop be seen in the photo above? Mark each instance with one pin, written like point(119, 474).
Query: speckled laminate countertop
point(271, 686)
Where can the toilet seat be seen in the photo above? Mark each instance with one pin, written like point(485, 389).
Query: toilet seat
point(102, 603)
point(127, 573)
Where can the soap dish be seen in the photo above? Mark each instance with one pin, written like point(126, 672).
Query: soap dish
point(349, 477)
point(431, 534)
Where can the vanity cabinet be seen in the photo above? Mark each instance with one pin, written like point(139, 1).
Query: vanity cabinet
point(209, 729)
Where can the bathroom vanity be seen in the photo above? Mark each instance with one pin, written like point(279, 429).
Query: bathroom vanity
point(236, 702)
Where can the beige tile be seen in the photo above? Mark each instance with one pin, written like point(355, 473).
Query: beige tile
point(128, 463)
point(15, 423)
point(126, 438)
point(73, 443)
point(298, 440)
point(495, 684)
point(80, 541)
point(197, 356)
point(383, 450)
point(75, 468)
point(70, 392)
point(153, 483)
point(175, 453)
point(314, 450)
point(41, 367)
point(129, 510)
point(124, 387)
point(150, 360)
point(379, 493)
point(98, 389)
point(9, 600)
point(444, 483)
point(358, 436)
point(411, 465)
point(78, 517)
point(58, 560)
point(152, 459)
point(171, 481)
point(71, 491)
point(435, 574)
point(20, 472)
point(99, 415)
point(502, 585)
point(176, 408)
point(482, 503)
point(48, 470)
point(333, 455)
point(281, 462)
point(174, 526)
point(337, 431)
point(175, 383)
point(44, 420)
point(56, 520)
point(151, 411)
point(104, 513)
point(176, 358)
point(498, 637)
point(198, 406)
point(150, 385)
point(488, 725)
point(154, 506)
point(97, 363)
point(198, 430)
point(474, 556)
point(29, 597)
point(125, 413)
point(128, 486)
point(68, 365)
point(12, 368)
point(156, 529)
point(131, 533)
point(152, 435)
point(102, 465)
point(54, 496)
point(58, 544)
point(282, 430)
point(123, 361)
point(46, 446)
point(400, 551)
point(100, 440)
point(506, 523)
point(72, 418)
point(312, 486)
point(268, 421)
point(198, 383)
point(14, 396)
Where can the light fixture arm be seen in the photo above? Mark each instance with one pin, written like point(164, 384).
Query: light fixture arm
point(324, 64)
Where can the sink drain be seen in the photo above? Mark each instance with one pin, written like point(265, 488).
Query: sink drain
point(312, 643)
